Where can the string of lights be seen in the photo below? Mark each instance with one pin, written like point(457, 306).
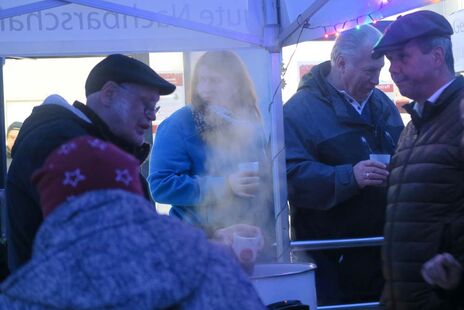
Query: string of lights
point(373, 17)
point(333, 30)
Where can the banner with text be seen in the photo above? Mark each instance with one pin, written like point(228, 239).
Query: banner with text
point(73, 29)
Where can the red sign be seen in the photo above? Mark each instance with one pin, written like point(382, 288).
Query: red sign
point(305, 69)
point(174, 78)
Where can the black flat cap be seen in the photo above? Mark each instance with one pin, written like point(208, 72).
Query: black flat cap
point(412, 26)
point(122, 69)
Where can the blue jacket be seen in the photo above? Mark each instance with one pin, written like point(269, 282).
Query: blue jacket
point(191, 175)
point(108, 249)
point(324, 139)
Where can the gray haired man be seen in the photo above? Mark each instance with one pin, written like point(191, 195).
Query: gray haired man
point(334, 122)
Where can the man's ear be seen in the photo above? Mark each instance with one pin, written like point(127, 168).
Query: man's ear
point(340, 63)
point(108, 92)
point(438, 56)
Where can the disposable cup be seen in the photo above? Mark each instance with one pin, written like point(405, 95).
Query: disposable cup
point(252, 166)
point(383, 158)
point(246, 246)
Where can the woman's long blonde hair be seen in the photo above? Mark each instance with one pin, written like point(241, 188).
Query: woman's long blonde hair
point(228, 64)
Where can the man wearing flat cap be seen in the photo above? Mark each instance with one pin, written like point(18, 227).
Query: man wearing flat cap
point(122, 94)
point(425, 209)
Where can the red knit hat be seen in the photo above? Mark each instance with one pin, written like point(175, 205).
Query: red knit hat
point(81, 165)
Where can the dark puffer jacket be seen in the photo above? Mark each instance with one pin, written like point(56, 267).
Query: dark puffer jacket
point(425, 211)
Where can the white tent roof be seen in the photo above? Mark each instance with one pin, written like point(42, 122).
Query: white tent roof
point(83, 27)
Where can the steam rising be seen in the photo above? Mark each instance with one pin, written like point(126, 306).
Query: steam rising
point(230, 124)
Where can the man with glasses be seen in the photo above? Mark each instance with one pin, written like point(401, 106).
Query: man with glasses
point(122, 94)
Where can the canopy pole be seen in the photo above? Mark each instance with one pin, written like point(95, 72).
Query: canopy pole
point(31, 7)
point(2, 128)
point(279, 175)
point(302, 19)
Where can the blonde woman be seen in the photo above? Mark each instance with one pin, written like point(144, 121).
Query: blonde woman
point(209, 160)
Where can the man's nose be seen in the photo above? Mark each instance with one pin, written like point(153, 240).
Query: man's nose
point(150, 114)
point(393, 68)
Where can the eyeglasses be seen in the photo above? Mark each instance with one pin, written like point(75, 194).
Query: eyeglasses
point(150, 108)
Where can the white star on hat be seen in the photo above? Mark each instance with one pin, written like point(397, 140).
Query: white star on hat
point(73, 177)
point(98, 144)
point(123, 176)
point(66, 148)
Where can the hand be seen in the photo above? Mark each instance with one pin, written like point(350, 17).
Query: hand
point(442, 270)
point(370, 173)
point(244, 183)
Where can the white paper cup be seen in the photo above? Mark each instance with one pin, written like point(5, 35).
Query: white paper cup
point(252, 166)
point(246, 247)
point(383, 158)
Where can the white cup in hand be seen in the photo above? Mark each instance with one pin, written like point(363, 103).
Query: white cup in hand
point(251, 166)
point(246, 246)
point(383, 158)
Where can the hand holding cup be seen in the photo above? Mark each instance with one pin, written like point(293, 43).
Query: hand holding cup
point(370, 173)
point(245, 182)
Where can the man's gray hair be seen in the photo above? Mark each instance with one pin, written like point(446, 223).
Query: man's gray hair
point(426, 44)
point(350, 41)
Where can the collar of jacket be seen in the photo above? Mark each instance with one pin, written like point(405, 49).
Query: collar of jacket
point(432, 110)
point(316, 80)
point(140, 152)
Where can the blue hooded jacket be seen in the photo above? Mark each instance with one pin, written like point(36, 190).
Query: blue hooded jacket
point(191, 174)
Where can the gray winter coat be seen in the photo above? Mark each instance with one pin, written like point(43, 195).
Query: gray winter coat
point(109, 249)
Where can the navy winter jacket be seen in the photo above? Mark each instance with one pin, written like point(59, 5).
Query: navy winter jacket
point(325, 137)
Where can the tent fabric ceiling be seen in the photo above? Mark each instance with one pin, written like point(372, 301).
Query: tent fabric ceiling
point(336, 15)
point(81, 27)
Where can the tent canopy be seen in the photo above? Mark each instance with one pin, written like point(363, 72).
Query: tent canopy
point(85, 27)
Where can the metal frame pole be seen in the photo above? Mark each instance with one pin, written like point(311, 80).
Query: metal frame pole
point(2, 128)
point(279, 176)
